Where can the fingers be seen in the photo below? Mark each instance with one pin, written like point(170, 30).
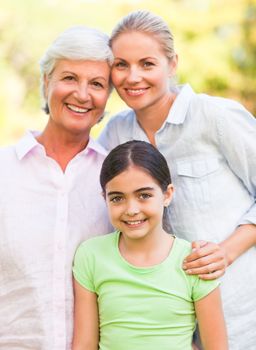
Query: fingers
point(208, 272)
point(212, 276)
point(198, 244)
point(203, 250)
point(208, 261)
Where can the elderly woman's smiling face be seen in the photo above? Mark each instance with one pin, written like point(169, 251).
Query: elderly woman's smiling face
point(76, 93)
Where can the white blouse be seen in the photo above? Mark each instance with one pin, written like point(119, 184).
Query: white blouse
point(44, 215)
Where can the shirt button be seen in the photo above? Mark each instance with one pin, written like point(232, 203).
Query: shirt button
point(60, 246)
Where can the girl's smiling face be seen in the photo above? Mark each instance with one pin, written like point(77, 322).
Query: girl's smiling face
point(136, 203)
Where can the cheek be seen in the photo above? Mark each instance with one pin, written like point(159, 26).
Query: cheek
point(160, 79)
point(116, 77)
point(101, 100)
point(56, 92)
point(157, 208)
point(111, 209)
point(115, 210)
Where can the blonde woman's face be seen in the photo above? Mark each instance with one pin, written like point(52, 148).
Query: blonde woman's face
point(141, 70)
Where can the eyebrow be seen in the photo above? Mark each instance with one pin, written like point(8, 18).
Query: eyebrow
point(136, 191)
point(75, 74)
point(142, 59)
point(114, 193)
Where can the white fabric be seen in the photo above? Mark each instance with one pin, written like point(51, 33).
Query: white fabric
point(44, 215)
point(210, 145)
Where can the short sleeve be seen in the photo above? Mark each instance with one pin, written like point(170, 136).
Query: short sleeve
point(201, 288)
point(82, 268)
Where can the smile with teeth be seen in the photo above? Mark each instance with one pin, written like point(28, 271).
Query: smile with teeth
point(77, 109)
point(136, 92)
point(134, 222)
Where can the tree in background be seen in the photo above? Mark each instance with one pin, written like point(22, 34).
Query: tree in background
point(215, 40)
point(245, 57)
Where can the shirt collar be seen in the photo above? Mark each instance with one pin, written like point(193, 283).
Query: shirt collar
point(26, 144)
point(178, 111)
point(29, 142)
point(94, 146)
point(176, 115)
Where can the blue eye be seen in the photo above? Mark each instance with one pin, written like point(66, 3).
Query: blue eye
point(69, 78)
point(120, 64)
point(148, 64)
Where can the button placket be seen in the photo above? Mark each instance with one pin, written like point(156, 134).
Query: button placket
point(59, 264)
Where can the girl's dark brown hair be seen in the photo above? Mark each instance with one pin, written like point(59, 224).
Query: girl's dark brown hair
point(141, 154)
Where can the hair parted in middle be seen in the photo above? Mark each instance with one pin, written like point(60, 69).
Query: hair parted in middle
point(136, 153)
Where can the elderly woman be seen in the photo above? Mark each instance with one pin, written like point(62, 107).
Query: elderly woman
point(50, 199)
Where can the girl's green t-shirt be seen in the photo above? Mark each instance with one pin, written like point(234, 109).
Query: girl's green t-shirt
point(140, 308)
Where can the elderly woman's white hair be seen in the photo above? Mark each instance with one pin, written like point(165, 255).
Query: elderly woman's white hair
point(75, 43)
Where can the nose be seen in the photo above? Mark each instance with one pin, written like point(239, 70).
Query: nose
point(132, 208)
point(82, 93)
point(134, 75)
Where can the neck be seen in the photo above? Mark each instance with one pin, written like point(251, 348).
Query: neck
point(152, 118)
point(60, 146)
point(147, 251)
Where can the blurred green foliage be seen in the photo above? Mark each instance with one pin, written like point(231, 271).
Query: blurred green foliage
point(215, 40)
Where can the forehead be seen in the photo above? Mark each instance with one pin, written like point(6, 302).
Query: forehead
point(135, 41)
point(81, 67)
point(131, 180)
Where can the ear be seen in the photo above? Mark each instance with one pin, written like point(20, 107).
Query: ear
point(173, 65)
point(46, 84)
point(168, 195)
point(103, 195)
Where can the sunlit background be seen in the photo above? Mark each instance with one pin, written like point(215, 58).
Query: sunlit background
point(215, 40)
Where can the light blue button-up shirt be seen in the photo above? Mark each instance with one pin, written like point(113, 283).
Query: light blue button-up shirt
point(210, 146)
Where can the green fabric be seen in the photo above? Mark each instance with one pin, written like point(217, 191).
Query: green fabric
point(140, 308)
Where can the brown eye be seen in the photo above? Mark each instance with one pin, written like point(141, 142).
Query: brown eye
point(116, 199)
point(145, 196)
point(98, 85)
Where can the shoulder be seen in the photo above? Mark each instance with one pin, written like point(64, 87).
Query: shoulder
point(183, 245)
point(221, 115)
point(8, 160)
point(119, 129)
point(196, 287)
point(125, 117)
point(96, 149)
point(96, 244)
point(181, 249)
point(218, 106)
point(7, 152)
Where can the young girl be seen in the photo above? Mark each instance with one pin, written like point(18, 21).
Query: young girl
point(130, 289)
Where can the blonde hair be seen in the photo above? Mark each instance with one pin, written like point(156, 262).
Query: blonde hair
point(146, 22)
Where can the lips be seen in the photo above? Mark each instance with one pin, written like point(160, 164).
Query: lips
point(77, 109)
point(136, 92)
point(134, 223)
